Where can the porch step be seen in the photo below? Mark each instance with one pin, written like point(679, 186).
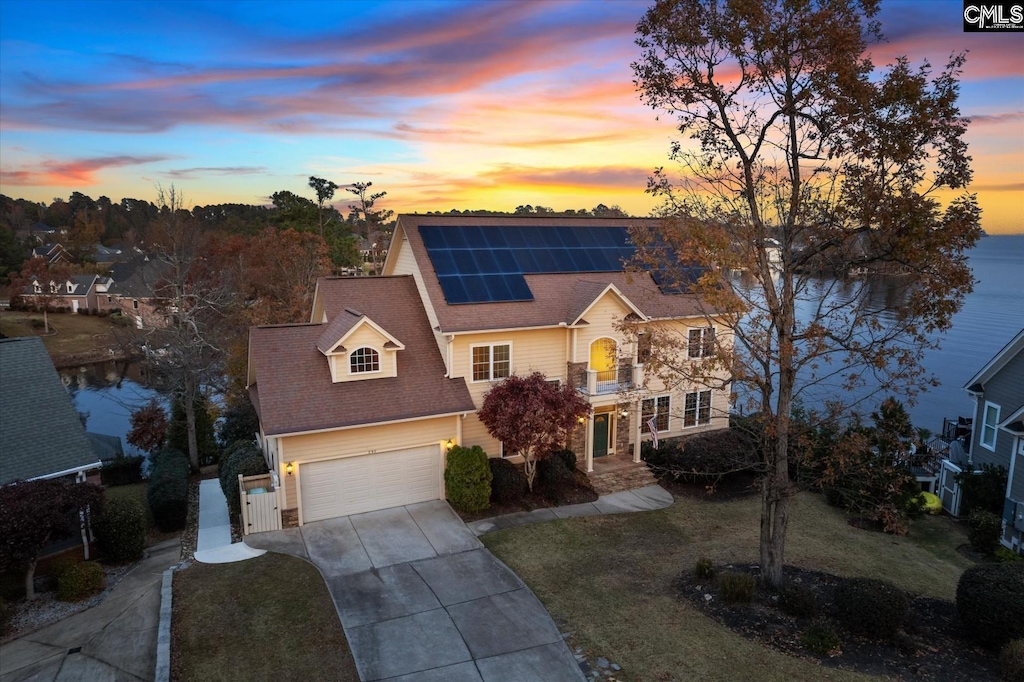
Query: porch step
point(630, 477)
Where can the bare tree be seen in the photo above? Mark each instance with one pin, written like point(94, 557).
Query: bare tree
point(803, 158)
point(324, 193)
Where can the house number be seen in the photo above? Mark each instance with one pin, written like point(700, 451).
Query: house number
point(370, 452)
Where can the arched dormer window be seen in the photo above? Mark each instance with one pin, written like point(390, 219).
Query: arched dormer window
point(364, 360)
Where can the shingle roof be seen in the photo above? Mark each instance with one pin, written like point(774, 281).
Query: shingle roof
point(293, 388)
point(40, 433)
point(335, 329)
point(555, 296)
point(137, 278)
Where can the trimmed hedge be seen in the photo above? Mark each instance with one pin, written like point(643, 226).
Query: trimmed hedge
point(467, 479)
point(869, 607)
point(167, 492)
point(552, 473)
point(242, 458)
point(121, 529)
point(990, 600)
point(703, 456)
point(80, 580)
point(567, 456)
point(122, 471)
point(508, 482)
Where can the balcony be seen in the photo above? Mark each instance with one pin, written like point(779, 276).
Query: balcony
point(626, 378)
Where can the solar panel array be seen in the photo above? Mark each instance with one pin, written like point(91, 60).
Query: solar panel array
point(487, 264)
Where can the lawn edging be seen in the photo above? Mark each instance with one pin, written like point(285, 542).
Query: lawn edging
point(162, 673)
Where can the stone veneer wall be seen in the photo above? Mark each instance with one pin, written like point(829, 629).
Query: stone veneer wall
point(622, 436)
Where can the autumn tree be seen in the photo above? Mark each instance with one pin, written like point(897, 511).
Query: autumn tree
point(33, 514)
point(188, 351)
point(40, 284)
point(149, 427)
point(532, 417)
point(798, 155)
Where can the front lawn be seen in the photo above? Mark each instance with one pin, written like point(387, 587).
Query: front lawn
point(613, 580)
point(269, 618)
point(76, 334)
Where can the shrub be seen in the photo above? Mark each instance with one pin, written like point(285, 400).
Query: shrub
point(467, 479)
point(553, 474)
point(737, 588)
point(1011, 658)
point(122, 471)
point(870, 607)
point(241, 458)
point(990, 601)
point(1007, 556)
point(703, 457)
point(121, 529)
point(567, 456)
point(704, 569)
point(799, 602)
point(984, 489)
point(821, 639)
point(508, 482)
point(80, 581)
point(984, 529)
point(167, 492)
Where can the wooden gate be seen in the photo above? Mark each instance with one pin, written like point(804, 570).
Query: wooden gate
point(259, 501)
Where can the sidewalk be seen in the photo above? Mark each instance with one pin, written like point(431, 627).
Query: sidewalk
point(648, 498)
point(114, 640)
point(213, 546)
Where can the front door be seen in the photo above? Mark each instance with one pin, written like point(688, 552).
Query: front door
point(600, 434)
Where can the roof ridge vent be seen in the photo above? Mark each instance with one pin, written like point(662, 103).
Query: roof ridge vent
point(353, 312)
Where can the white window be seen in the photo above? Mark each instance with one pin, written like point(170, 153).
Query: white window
point(701, 342)
point(697, 410)
point(988, 426)
point(656, 409)
point(490, 362)
point(36, 288)
point(364, 360)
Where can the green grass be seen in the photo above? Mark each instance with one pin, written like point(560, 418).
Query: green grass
point(76, 334)
point(269, 618)
point(611, 579)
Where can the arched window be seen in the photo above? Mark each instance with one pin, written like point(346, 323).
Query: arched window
point(364, 360)
point(603, 354)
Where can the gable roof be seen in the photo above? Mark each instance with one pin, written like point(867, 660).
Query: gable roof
point(345, 324)
point(998, 361)
point(555, 295)
point(585, 290)
point(40, 432)
point(293, 391)
point(137, 278)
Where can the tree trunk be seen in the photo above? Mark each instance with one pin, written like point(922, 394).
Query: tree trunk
point(30, 581)
point(190, 421)
point(530, 469)
point(46, 320)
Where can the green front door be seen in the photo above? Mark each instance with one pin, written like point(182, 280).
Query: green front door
point(600, 434)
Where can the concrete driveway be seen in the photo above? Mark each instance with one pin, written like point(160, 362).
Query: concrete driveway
point(421, 599)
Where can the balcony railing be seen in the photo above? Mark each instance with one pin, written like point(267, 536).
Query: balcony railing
point(625, 378)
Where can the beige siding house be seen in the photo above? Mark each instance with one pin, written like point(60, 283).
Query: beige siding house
point(359, 406)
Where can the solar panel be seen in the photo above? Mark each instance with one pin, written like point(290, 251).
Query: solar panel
point(477, 264)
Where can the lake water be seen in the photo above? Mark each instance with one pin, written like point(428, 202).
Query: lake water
point(108, 392)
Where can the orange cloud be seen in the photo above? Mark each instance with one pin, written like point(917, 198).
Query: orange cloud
point(74, 173)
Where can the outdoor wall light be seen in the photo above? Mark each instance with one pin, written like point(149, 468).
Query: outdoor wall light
point(582, 420)
point(449, 445)
point(289, 467)
point(624, 413)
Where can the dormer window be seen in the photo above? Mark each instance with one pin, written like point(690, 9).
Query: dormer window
point(71, 287)
point(364, 360)
point(53, 287)
point(36, 288)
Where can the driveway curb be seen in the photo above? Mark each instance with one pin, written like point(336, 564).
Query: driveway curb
point(162, 673)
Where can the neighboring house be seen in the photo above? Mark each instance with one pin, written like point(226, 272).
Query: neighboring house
point(358, 407)
point(41, 435)
point(77, 292)
point(53, 253)
point(132, 289)
point(998, 434)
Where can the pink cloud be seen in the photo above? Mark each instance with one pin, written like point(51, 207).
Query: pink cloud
point(77, 172)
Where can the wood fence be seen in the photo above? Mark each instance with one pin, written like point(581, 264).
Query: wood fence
point(261, 510)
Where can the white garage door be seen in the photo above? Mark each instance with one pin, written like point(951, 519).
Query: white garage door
point(354, 485)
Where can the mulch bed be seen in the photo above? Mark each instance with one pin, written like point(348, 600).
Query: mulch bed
point(539, 499)
point(930, 647)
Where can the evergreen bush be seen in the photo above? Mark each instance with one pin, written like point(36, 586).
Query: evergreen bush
point(508, 482)
point(552, 473)
point(567, 456)
point(121, 529)
point(79, 581)
point(821, 639)
point(983, 530)
point(244, 458)
point(870, 607)
point(990, 601)
point(122, 471)
point(167, 492)
point(467, 479)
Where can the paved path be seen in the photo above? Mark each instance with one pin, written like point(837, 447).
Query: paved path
point(114, 640)
point(213, 546)
point(421, 599)
point(647, 498)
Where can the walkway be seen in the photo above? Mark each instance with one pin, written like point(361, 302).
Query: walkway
point(418, 595)
point(648, 498)
point(213, 546)
point(114, 640)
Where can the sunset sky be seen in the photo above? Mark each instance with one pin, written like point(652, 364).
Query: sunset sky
point(444, 105)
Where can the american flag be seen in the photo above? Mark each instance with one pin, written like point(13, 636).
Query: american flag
point(653, 426)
